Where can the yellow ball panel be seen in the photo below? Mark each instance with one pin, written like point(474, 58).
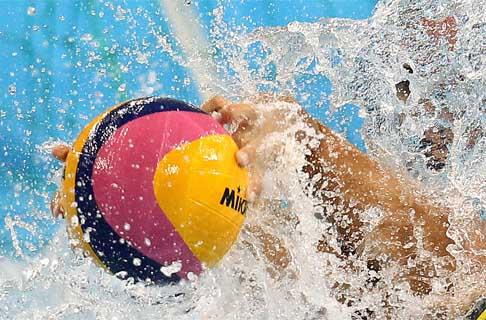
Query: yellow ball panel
point(482, 316)
point(201, 189)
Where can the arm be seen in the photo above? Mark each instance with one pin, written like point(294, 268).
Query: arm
point(356, 182)
point(365, 183)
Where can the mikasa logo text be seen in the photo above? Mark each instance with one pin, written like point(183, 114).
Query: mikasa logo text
point(232, 199)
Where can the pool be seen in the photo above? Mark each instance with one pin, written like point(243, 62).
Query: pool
point(403, 81)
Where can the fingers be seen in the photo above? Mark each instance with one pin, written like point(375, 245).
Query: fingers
point(242, 113)
point(243, 119)
point(224, 111)
point(60, 152)
point(245, 157)
point(56, 207)
point(215, 104)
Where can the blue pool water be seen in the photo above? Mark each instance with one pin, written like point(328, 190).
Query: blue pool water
point(64, 62)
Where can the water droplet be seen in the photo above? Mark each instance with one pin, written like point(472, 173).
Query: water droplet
point(137, 262)
point(152, 77)
point(141, 58)
point(31, 11)
point(120, 13)
point(122, 87)
point(191, 276)
point(75, 221)
point(147, 241)
point(44, 262)
point(101, 72)
point(86, 37)
point(86, 236)
point(12, 89)
point(176, 266)
point(122, 274)
point(127, 226)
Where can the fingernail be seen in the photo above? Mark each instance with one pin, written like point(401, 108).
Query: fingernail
point(242, 158)
point(217, 116)
point(251, 196)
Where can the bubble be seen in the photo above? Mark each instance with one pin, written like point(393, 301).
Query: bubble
point(31, 11)
point(169, 270)
point(137, 262)
point(120, 14)
point(191, 276)
point(147, 242)
point(122, 87)
point(86, 37)
point(74, 221)
point(141, 58)
point(44, 261)
point(122, 274)
point(12, 89)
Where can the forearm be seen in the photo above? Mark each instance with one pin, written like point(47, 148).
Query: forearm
point(358, 178)
point(350, 178)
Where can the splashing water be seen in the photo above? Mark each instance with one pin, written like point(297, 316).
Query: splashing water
point(412, 80)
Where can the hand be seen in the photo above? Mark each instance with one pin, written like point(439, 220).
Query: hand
point(60, 152)
point(252, 123)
